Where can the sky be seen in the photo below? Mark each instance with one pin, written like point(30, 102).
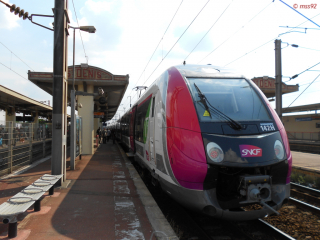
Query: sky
point(237, 34)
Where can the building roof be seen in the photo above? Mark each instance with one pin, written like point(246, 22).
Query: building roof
point(267, 86)
point(11, 99)
point(302, 108)
point(114, 86)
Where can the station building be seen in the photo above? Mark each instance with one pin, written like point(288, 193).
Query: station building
point(299, 127)
point(93, 110)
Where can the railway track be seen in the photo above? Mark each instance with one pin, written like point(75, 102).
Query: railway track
point(214, 229)
point(315, 193)
point(306, 198)
point(194, 226)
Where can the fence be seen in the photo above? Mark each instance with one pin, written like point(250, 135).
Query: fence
point(310, 136)
point(22, 144)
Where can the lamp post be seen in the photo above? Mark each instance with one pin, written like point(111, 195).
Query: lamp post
point(89, 29)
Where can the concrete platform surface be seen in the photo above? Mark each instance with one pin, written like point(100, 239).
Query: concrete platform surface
point(105, 199)
point(308, 161)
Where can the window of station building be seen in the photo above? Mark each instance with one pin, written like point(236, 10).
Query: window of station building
point(142, 119)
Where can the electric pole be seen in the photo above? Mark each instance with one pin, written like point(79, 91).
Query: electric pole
point(278, 78)
point(60, 88)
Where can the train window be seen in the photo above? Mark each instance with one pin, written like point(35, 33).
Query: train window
point(142, 120)
point(233, 97)
point(152, 113)
point(163, 86)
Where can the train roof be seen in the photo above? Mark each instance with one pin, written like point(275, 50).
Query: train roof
point(207, 71)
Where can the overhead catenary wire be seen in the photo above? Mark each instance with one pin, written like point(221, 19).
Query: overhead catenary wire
point(304, 90)
point(292, 28)
point(13, 71)
point(157, 45)
point(235, 32)
point(17, 57)
point(250, 52)
point(307, 83)
point(177, 41)
point(80, 31)
point(310, 48)
point(17, 73)
point(247, 52)
point(208, 30)
point(297, 46)
point(264, 44)
point(309, 19)
point(295, 76)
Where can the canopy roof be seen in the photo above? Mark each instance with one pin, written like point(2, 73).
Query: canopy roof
point(114, 86)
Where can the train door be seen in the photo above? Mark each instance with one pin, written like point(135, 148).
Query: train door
point(131, 128)
point(157, 124)
point(151, 134)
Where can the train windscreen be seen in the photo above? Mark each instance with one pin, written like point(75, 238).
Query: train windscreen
point(232, 97)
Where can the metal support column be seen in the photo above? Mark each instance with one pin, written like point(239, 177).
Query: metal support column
point(73, 109)
point(73, 131)
point(278, 78)
point(60, 87)
point(30, 142)
point(10, 147)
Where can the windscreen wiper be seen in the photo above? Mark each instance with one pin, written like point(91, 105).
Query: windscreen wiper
point(203, 100)
point(234, 124)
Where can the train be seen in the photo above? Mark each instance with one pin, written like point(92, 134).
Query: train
point(212, 141)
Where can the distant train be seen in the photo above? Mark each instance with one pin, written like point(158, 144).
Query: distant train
point(212, 141)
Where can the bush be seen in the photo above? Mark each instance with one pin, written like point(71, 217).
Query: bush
point(294, 177)
point(301, 179)
point(309, 180)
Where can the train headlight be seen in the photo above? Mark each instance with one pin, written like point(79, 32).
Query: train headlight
point(215, 152)
point(279, 150)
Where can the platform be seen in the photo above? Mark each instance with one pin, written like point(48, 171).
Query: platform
point(306, 161)
point(104, 198)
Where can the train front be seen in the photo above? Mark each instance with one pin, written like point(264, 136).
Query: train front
point(234, 151)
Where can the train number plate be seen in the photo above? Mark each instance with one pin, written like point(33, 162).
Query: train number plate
point(267, 127)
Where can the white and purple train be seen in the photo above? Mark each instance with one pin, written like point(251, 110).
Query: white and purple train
point(212, 141)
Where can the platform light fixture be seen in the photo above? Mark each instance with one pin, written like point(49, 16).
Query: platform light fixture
point(89, 29)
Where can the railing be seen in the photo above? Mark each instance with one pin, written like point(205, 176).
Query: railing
point(22, 144)
point(311, 136)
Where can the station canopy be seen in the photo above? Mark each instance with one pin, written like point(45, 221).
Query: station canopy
point(114, 86)
point(268, 86)
point(302, 108)
point(14, 102)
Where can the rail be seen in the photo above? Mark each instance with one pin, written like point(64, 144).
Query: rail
point(305, 206)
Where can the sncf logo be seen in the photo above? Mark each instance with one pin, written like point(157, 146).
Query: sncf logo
point(250, 151)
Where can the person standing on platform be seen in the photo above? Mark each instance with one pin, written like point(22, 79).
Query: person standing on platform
point(104, 135)
point(99, 134)
point(113, 135)
point(108, 135)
